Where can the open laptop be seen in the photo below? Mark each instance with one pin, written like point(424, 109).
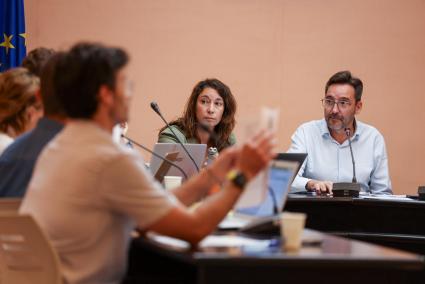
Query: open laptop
point(176, 154)
point(282, 172)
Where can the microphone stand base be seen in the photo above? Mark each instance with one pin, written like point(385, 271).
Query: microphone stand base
point(346, 189)
point(421, 192)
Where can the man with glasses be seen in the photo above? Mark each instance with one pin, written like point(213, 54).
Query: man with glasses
point(326, 143)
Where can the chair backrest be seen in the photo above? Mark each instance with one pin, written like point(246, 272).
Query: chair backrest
point(26, 255)
point(10, 204)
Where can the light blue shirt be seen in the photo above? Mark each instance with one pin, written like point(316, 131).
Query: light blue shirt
point(328, 160)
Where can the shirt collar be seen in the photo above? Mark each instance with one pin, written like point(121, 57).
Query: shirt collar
point(88, 126)
point(48, 123)
point(324, 130)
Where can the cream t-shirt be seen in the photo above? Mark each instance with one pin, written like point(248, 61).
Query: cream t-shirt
point(88, 193)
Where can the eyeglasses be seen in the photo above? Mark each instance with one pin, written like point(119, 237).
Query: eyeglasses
point(329, 104)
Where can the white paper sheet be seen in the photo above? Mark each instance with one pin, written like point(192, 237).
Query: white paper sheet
point(231, 241)
point(255, 191)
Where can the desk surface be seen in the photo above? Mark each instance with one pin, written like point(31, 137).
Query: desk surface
point(265, 263)
point(396, 223)
point(317, 246)
point(375, 200)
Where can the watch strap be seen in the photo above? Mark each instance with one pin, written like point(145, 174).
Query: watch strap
point(237, 178)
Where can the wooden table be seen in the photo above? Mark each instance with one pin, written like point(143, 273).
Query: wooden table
point(395, 223)
point(323, 258)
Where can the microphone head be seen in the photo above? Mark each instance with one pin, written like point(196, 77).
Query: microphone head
point(155, 107)
point(204, 127)
point(347, 131)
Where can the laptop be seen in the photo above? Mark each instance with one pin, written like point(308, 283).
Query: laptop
point(282, 172)
point(176, 154)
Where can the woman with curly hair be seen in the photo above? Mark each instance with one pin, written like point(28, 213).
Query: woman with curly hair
point(211, 104)
point(20, 108)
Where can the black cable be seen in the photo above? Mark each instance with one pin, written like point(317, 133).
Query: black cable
point(274, 201)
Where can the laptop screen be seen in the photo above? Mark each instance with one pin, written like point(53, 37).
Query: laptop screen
point(280, 176)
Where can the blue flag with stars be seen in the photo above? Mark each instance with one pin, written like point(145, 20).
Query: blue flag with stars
point(12, 33)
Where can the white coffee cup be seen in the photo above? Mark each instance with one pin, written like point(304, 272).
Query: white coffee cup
point(291, 229)
point(172, 182)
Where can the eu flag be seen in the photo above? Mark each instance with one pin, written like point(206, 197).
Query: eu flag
point(12, 33)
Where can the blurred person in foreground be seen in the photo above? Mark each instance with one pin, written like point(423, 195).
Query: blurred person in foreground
point(105, 191)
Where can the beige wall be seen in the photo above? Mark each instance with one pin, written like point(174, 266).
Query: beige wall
point(270, 52)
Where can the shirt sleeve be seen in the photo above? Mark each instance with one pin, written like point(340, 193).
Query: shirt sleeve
point(167, 137)
point(129, 189)
point(232, 139)
point(380, 182)
point(298, 145)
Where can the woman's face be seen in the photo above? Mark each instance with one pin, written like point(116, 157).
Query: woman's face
point(209, 107)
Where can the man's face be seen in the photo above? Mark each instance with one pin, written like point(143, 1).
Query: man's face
point(122, 97)
point(340, 106)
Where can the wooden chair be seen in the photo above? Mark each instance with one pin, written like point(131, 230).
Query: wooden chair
point(26, 255)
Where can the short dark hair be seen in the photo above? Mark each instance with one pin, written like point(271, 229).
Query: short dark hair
point(79, 76)
point(345, 77)
point(36, 59)
point(51, 103)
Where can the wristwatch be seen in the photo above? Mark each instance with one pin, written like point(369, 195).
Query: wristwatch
point(237, 178)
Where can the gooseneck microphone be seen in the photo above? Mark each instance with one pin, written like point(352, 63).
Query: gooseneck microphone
point(205, 128)
point(156, 155)
point(347, 189)
point(274, 201)
point(348, 133)
point(155, 108)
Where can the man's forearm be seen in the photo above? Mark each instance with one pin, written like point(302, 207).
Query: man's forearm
point(197, 187)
